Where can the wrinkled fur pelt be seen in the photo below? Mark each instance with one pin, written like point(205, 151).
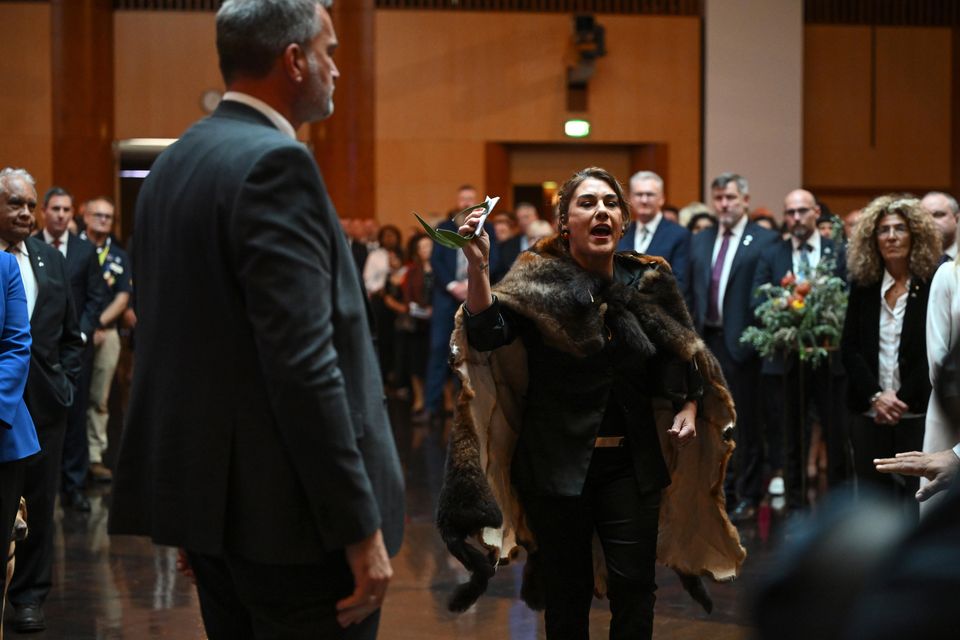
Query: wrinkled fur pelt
point(479, 516)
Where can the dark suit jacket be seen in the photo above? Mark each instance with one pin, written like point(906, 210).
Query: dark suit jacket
point(775, 262)
point(444, 263)
point(90, 293)
point(55, 354)
point(737, 301)
point(257, 422)
point(509, 251)
point(860, 347)
point(671, 241)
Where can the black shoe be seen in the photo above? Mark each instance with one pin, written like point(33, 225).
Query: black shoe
point(745, 510)
point(28, 618)
point(75, 500)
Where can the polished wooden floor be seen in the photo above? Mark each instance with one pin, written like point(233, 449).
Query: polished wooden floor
point(121, 587)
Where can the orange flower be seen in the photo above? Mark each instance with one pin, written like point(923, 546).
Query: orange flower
point(803, 289)
point(788, 280)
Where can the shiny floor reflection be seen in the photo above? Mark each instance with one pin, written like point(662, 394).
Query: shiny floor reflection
point(121, 587)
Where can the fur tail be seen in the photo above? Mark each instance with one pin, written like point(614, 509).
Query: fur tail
point(481, 570)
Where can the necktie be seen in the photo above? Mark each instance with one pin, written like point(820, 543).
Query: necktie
point(804, 262)
point(713, 307)
point(644, 235)
point(56, 243)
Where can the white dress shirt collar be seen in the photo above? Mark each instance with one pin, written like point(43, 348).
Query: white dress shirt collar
point(48, 238)
point(26, 273)
point(269, 112)
point(641, 243)
point(814, 253)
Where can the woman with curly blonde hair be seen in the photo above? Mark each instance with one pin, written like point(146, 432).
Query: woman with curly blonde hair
point(891, 259)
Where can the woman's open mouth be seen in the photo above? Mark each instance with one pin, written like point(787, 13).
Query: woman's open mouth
point(601, 231)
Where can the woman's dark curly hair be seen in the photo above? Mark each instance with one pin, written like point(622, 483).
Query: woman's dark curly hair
point(565, 195)
point(864, 262)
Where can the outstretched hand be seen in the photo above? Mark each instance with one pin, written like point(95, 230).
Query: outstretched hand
point(477, 251)
point(939, 468)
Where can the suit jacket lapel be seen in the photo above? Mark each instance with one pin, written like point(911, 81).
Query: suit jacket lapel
point(39, 266)
point(745, 245)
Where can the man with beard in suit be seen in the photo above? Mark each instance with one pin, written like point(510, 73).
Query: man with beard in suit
point(89, 297)
point(723, 260)
point(259, 443)
point(55, 356)
point(788, 384)
point(651, 233)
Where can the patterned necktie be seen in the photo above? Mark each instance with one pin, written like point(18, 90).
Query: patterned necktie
point(804, 262)
point(713, 307)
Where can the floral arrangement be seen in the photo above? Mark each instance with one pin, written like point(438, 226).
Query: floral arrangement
point(800, 316)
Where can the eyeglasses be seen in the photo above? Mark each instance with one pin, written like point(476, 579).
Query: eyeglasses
point(898, 230)
point(798, 212)
point(102, 216)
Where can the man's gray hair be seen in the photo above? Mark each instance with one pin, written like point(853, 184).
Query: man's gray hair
point(251, 34)
point(951, 201)
point(722, 180)
point(9, 172)
point(646, 175)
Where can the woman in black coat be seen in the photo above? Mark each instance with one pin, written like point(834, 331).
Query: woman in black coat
point(891, 260)
point(606, 339)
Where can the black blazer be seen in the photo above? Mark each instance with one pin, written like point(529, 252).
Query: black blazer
point(90, 292)
point(860, 347)
point(257, 421)
point(55, 352)
point(738, 299)
point(775, 262)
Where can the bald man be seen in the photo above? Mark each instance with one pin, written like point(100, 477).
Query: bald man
point(943, 207)
point(789, 385)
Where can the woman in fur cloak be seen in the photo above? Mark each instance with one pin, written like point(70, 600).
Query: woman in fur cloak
point(589, 427)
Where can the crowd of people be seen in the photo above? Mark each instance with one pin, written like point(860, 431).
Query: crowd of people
point(629, 315)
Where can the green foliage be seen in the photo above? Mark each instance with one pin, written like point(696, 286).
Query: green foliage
point(803, 318)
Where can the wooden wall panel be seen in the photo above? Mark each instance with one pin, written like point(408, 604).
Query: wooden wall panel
point(164, 61)
point(493, 77)
point(25, 102)
point(909, 147)
point(81, 76)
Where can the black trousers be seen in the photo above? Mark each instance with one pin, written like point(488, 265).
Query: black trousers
point(11, 488)
point(625, 519)
point(34, 575)
point(827, 392)
point(745, 474)
point(872, 440)
point(241, 599)
point(76, 447)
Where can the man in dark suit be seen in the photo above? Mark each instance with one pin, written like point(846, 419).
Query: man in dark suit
point(449, 292)
point(55, 356)
point(650, 232)
point(510, 249)
point(723, 260)
point(90, 298)
point(259, 442)
point(787, 383)
point(945, 211)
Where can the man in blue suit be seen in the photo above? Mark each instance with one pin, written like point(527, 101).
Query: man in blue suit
point(723, 260)
point(787, 383)
point(18, 438)
point(651, 233)
point(449, 292)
